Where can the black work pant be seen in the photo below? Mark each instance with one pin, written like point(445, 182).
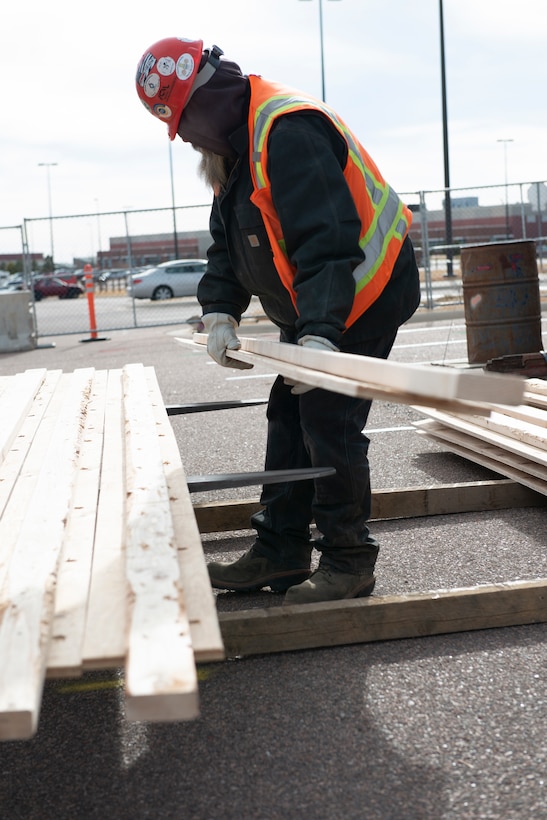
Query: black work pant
point(319, 429)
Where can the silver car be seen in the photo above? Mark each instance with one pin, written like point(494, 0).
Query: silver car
point(177, 278)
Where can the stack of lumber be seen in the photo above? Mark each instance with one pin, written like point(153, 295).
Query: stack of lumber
point(366, 377)
point(101, 563)
point(511, 441)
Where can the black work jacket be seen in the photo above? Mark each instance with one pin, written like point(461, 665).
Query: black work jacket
point(306, 159)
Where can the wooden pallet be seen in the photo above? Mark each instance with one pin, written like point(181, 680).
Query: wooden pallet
point(407, 502)
point(101, 562)
point(383, 618)
point(380, 618)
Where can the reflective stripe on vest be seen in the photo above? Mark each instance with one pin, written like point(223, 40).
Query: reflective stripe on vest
point(386, 221)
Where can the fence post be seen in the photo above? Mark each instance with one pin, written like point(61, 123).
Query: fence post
point(425, 252)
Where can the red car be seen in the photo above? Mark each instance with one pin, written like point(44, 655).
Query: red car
point(53, 286)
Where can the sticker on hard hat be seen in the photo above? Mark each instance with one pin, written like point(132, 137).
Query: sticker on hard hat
point(185, 66)
point(152, 85)
point(162, 111)
point(165, 66)
point(147, 64)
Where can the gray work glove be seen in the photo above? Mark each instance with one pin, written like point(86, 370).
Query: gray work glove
point(316, 343)
point(221, 336)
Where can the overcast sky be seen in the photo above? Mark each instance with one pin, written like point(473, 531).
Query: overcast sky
point(69, 96)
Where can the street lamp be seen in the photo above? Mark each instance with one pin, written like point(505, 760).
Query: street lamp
point(47, 166)
point(447, 199)
point(322, 49)
point(99, 241)
point(505, 141)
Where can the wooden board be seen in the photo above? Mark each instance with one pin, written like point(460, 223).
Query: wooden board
point(535, 393)
point(105, 633)
point(27, 594)
point(494, 458)
point(511, 441)
point(71, 596)
point(98, 543)
point(13, 461)
point(160, 676)
point(530, 447)
point(375, 378)
point(408, 502)
point(17, 398)
point(200, 601)
point(337, 623)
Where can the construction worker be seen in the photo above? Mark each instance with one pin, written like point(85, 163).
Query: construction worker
point(303, 219)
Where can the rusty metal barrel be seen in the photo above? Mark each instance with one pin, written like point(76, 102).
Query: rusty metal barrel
point(501, 300)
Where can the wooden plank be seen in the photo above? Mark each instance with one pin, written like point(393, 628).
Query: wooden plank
point(530, 415)
point(27, 596)
point(17, 399)
point(526, 432)
point(535, 400)
point(466, 425)
point(338, 623)
point(66, 644)
point(361, 389)
point(161, 678)
point(433, 382)
point(538, 386)
point(198, 595)
point(20, 483)
point(225, 516)
point(14, 461)
point(452, 499)
point(494, 458)
point(535, 393)
point(409, 502)
point(105, 632)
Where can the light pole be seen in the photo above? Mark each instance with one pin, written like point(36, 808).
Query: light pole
point(47, 166)
point(447, 199)
point(505, 141)
point(322, 48)
point(99, 241)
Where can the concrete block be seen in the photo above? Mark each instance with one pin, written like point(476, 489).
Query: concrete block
point(17, 329)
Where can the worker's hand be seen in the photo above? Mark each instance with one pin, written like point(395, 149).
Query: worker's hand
point(221, 336)
point(316, 343)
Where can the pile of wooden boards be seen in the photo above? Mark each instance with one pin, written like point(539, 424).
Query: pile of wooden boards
point(511, 441)
point(101, 563)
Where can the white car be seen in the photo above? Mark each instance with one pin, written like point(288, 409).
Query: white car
point(177, 278)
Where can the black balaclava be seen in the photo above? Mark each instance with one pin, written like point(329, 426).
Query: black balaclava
point(216, 110)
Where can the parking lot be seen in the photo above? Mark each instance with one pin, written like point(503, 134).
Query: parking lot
point(115, 310)
point(441, 727)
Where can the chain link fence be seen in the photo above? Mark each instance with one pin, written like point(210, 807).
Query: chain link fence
point(122, 243)
point(443, 225)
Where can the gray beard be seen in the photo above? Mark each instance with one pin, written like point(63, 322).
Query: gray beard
point(212, 169)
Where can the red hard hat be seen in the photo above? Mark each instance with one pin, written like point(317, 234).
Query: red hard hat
point(165, 77)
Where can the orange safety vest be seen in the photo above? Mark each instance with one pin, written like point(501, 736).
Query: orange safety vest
point(385, 220)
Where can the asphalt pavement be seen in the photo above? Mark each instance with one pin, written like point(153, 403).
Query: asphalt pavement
point(450, 727)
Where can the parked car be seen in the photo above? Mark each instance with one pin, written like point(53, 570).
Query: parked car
point(15, 282)
point(53, 286)
point(180, 277)
point(117, 276)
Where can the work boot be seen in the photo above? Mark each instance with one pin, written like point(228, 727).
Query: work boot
point(254, 571)
point(330, 584)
